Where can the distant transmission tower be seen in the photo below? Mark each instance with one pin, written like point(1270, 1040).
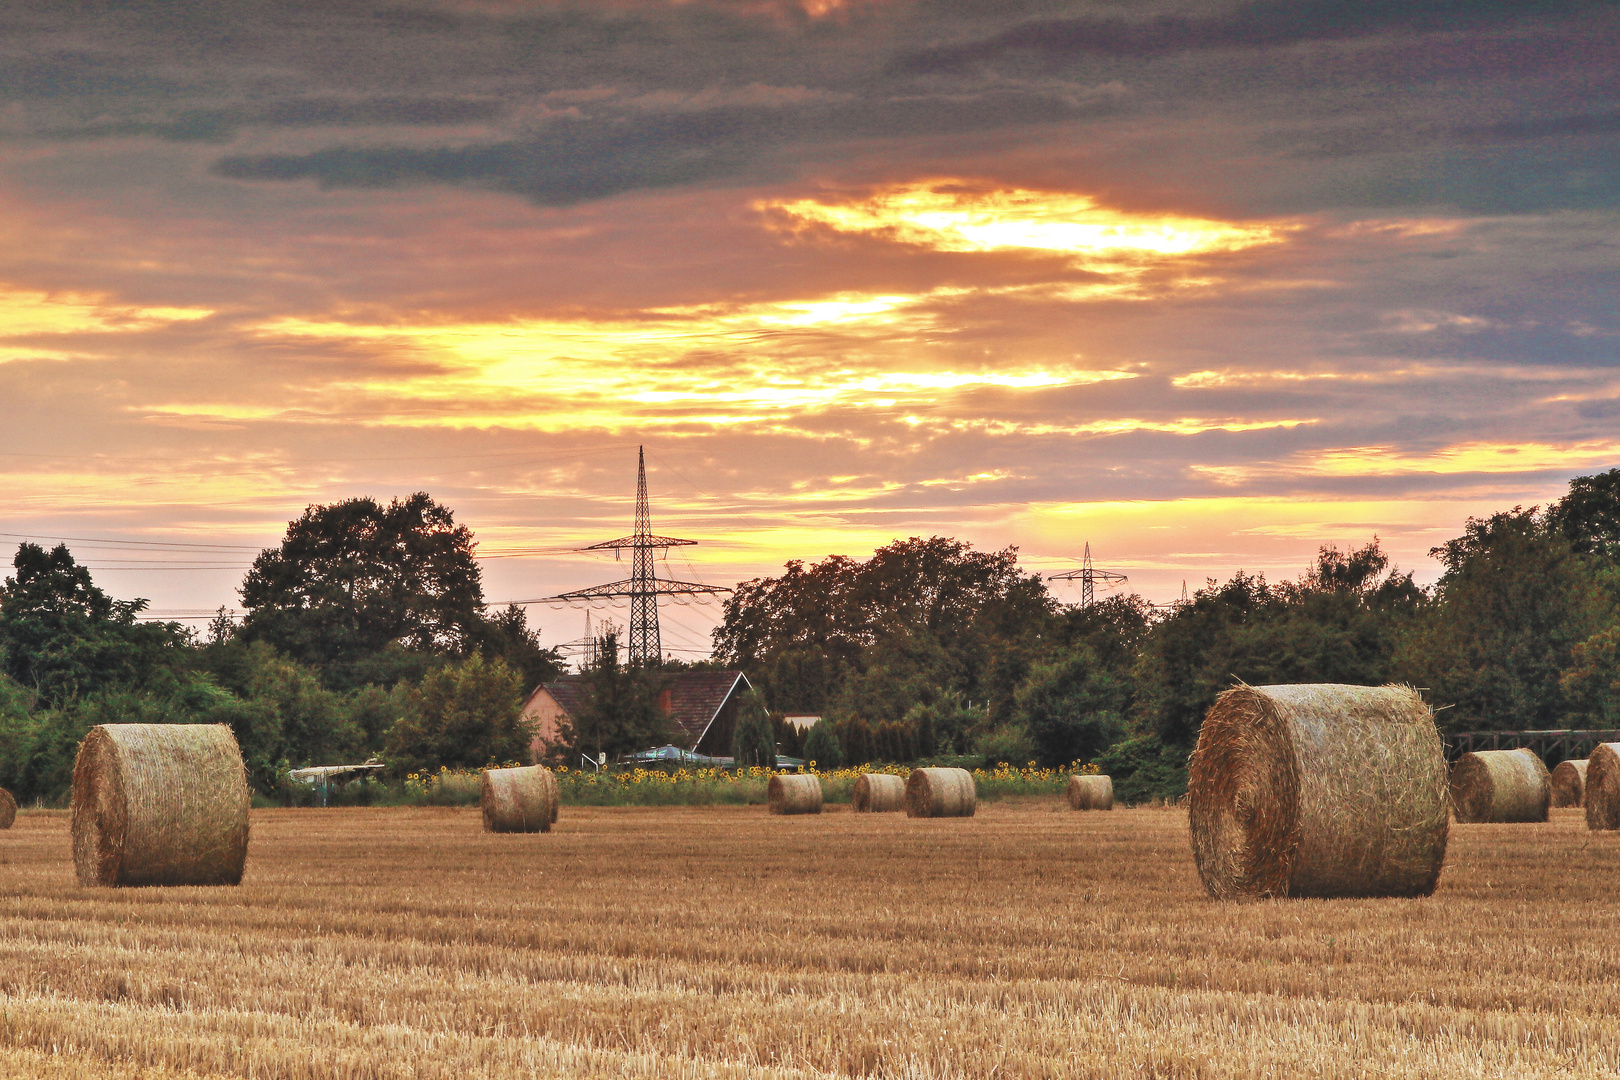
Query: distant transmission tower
point(1088, 578)
point(643, 587)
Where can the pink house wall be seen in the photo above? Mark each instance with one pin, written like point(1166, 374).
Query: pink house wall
point(544, 717)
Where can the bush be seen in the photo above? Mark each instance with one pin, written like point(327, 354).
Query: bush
point(821, 746)
point(1145, 768)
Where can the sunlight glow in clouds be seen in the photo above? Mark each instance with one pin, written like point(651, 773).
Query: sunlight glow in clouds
point(616, 373)
point(946, 216)
point(26, 313)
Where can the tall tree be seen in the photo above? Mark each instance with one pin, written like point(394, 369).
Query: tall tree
point(355, 577)
point(621, 713)
point(1512, 605)
point(61, 636)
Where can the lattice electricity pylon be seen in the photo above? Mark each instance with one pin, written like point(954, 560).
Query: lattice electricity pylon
point(1089, 578)
point(643, 587)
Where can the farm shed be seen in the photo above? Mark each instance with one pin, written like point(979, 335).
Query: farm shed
point(702, 704)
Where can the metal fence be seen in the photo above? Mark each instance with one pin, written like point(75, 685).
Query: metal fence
point(1551, 746)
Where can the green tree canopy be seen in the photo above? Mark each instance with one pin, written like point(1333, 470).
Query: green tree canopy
point(621, 713)
point(61, 636)
point(354, 577)
point(464, 715)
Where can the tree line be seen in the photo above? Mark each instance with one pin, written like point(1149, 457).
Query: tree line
point(366, 634)
point(931, 648)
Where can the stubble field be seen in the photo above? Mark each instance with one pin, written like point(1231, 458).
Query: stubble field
point(1029, 941)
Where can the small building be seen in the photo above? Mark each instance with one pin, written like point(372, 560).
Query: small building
point(702, 705)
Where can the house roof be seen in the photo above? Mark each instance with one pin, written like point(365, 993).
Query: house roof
point(691, 699)
point(696, 698)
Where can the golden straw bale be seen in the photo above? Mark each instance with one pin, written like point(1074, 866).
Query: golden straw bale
point(794, 793)
point(1603, 787)
point(522, 800)
point(8, 809)
point(1500, 786)
point(879, 793)
point(159, 804)
point(1569, 783)
point(940, 793)
point(1091, 792)
point(1318, 790)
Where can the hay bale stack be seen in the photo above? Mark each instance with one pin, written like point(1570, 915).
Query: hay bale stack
point(940, 793)
point(794, 794)
point(159, 804)
point(1319, 790)
point(1603, 787)
point(8, 809)
point(1500, 786)
point(1091, 792)
point(522, 800)
point(879, 793)
point(1569, 783)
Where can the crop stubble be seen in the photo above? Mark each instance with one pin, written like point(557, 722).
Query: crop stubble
point(1026, 941)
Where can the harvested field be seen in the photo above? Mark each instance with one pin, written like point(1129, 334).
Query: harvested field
point(1027, 941)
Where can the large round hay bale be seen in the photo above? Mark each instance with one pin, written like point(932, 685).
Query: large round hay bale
point(1569, 783)
point(159, 804)
point(1603, 787)
point(522, 800)
point(1500, 786)
point(1318, 790)
point(1091, 792)
point(879, 793)
point(940, 793)
point(794, 793)
point(8, 809)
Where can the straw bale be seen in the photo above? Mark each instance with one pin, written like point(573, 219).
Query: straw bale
point(1569, 783)
point(1091, 792)
point(521, 800)
point(1500, 786)
point(940, 793)
point(1603, 787)
point(1319, 790)
point(794, 793)
point(159, 804)
point(8, 809)
point(879, 793)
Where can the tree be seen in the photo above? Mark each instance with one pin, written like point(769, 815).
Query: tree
point(61, 636)
point(917, 619)
point(821, 746)
point(621, 713)
point(1071, 708)
point(1589, 516)
point(1512, 605)
point(506, 634)
point(753, 740)
point(354, 577)
point(1592, 683)
point(463, 715)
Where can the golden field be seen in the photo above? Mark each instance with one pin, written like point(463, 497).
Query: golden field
point(1029, 941)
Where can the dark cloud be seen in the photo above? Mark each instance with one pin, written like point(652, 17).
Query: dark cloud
point(574, 160)
point(1250, 26)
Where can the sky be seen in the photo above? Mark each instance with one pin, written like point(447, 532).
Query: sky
point(1205, 285)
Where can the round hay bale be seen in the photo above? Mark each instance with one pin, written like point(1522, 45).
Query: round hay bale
point(1500, 786)
point(1091, 792)
point(522, 800)
point(879, 793)
point(790, 793)
point(159, 804)
point(1603, 787)
point(1569, 783)
point(1319, 790)
point(8, 809)
point(940, 793)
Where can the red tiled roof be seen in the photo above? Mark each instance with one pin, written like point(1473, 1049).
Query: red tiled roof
point(691, 699)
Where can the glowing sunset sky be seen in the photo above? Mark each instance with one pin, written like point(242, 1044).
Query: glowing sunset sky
point(1207, 285)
